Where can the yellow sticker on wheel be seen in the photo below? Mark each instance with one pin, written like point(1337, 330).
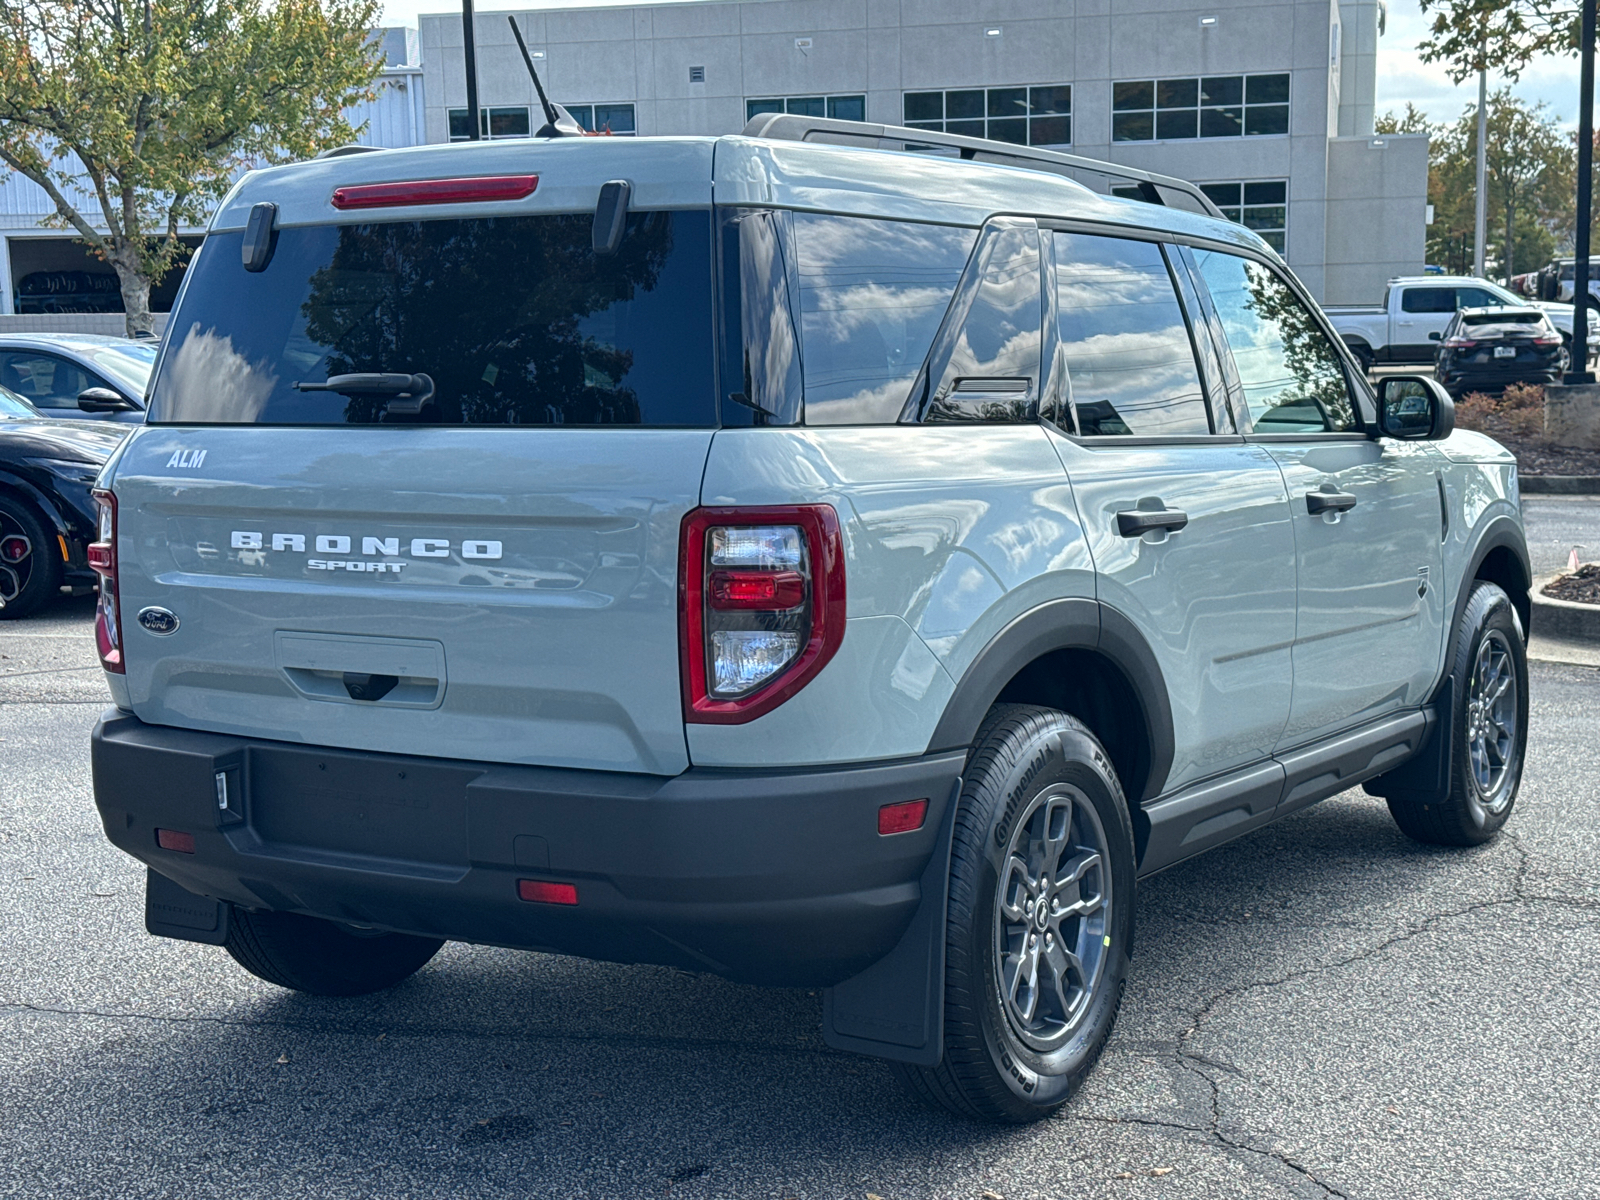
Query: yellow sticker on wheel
point(1108, 941)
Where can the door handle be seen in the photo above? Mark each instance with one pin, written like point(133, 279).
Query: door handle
point(1325, 502)
point(1136, 522)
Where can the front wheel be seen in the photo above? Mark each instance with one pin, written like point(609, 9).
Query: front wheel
point(1040, 924)
point(308, 954)
point(30, 572)
point(1488, 729)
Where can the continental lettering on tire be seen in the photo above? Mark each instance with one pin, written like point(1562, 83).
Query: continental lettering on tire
point(1020, 792)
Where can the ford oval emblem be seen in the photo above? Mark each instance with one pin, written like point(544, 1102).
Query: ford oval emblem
point(158, 620)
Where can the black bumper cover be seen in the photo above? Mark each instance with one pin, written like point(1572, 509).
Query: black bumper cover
point(774, 877)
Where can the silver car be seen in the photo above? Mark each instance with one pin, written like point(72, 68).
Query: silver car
point(79, 375)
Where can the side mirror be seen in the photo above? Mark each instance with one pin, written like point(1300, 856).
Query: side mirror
point(1435, 336)
point(103, 400)
point(1415, 408)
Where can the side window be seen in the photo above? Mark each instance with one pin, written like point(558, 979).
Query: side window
point(1428, 300)
point(985, 363)
point(1124, 339)
point(760, 345)
point(872, 295)
point(1292, 377)
point(45, 380)
point(1471, 297)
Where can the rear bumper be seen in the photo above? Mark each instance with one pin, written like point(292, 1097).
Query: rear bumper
point(764, 877)
point(1467, 378)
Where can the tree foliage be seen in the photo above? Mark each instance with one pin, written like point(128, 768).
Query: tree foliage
point(1531, 167)
point(153, 107)
point(1503, 36)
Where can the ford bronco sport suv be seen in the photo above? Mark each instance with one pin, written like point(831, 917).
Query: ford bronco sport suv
point(782, 556)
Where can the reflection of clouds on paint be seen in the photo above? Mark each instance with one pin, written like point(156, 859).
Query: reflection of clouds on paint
point(208, 380)
point(872, 294)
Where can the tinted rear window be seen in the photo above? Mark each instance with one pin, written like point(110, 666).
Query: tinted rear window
point(1503, 318)
point(516, 319)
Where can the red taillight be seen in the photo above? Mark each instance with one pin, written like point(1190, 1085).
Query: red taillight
point(103, 558)
point(435, 191)
point(1460, 343)
point(770, 590)
point(172, 839)
point(904, 817)
point(1547, 339)
point(762, 606)
point(537, 891)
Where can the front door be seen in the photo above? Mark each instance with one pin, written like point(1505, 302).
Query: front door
point(1188, 523)
point(1366, 511)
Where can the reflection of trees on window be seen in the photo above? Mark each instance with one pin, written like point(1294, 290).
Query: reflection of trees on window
point(1292, 378)
point(517, 320)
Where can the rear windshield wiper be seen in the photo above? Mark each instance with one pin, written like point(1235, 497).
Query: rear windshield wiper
point(410, 392)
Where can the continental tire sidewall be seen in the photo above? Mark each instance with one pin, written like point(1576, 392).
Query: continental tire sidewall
point(1062, 754)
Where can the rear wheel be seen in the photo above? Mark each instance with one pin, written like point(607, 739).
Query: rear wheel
point(308, 954)
point(1040, 922)
point(1488, 729)
point(30, 568)
point(1363, 356)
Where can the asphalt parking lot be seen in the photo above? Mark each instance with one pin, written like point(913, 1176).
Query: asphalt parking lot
point(1322, 1009)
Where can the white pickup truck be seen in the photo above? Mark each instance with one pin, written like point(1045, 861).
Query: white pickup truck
point(1416, 308)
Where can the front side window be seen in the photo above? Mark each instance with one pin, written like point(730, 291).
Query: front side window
point(872, 295)
point(1292, 378)
point(1471, 297)
point(45, 380)
point(1124, 341)
point(1144, 110)
point(516, 320)
point(1038, 115)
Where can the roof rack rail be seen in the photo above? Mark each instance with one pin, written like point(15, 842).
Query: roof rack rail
point(791, 127)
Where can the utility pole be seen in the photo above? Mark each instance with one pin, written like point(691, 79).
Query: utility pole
point(470, 48)
point(1578, 364)
point(1480, 206)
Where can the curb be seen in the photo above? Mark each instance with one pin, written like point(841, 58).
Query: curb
point(1559, 485)
point(1563, 618)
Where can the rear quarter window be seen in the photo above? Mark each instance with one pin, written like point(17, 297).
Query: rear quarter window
point(516, 319)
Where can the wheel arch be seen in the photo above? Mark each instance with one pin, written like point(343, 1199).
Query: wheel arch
point(1085, 658)
point(19, 487)
point(1500, 557)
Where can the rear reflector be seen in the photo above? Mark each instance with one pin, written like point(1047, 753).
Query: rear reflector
point(171, 839)
point(764, 590)
point(904, 817)
point(539, 892)
point(435, 191)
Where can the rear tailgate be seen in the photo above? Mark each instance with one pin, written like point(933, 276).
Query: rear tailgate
point(528, 610)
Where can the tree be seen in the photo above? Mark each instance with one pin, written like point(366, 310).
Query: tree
point(153, 107)
point(1530, 165)
point(1499, 35)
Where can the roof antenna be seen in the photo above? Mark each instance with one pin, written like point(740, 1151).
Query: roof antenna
point(558, 121)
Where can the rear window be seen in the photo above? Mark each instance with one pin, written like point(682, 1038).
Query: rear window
point(1503, 318)
point(516, 320)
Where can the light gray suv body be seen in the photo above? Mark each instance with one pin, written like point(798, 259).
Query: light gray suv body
point(813, 564)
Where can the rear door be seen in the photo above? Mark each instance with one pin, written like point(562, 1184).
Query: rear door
point(493, 577)
point(1187, 522)
point(1367, 516)
point(1423, 310)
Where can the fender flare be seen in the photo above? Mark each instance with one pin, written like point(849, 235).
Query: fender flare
point(39, 501)
point(1069, 624)
point(1501, 531)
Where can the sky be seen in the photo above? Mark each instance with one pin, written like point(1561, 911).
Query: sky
point(1402, 75)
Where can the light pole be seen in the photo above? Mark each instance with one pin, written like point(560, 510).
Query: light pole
point(1578, 360)
point(1480, 205)
point(470, 48)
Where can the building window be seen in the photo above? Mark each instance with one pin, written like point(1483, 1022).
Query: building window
point(1147, 110)
point(615, 119)
point(1260, 206)
point(493, 123)
point(840, 108)
point(1025, 116)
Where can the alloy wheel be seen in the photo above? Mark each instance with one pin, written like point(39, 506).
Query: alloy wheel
point(1051, 915)
point(1492, 700)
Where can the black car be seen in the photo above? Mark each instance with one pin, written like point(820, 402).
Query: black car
point(1485, 349)
point(47, 518)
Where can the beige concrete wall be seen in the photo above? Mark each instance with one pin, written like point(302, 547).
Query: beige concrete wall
point(1377, 209)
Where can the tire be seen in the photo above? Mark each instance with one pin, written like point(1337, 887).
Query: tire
point(308, 954)
point(1034, 770)
point(1364, 357)
point(30, 568)
point(1488, 742)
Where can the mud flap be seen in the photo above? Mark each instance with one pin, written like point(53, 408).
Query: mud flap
point(171, 911)
point(895, 1008)
point(1427, 773)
